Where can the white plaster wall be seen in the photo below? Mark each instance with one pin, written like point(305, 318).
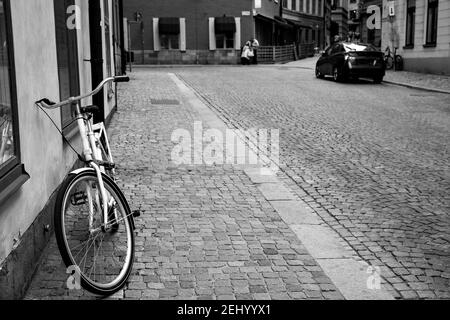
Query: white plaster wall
point(397, 27)
point(43, 153)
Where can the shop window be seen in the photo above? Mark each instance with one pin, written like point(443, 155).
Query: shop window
point(12, 173)
point(432, 22)
point(67, 53)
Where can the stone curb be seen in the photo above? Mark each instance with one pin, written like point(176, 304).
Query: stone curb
point(407, 85)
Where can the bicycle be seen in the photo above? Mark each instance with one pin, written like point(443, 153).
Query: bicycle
point(94, 225)
point(393, 60)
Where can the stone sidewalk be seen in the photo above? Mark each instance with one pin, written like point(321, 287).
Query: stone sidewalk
point(431, 82)
point(206, 232)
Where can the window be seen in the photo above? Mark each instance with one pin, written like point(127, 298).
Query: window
point(284, 3)
point(319, 8)
point(169, 41)
point(410, 22)
point(294, 5)
point(308, 3)
point(225, 30)
point(301, 6)
point(432, 22)
point(107, 38)
point(371, 36)
point(12, 172)
point(169, 33)
point(67, 52)
point(224, 41)
point(337, 48)
point(334, 4)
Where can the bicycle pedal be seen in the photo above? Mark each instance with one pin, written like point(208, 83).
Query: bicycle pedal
point(136, 213)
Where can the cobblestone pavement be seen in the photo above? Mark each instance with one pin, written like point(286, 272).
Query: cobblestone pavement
point(206, 232)
point(423, 80)
point(373, 160)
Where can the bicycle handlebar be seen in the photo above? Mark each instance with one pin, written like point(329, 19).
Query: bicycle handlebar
point(46, 103)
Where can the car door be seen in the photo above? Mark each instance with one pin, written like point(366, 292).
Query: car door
point(327, 63)
point(323, 61)
point(334, 57)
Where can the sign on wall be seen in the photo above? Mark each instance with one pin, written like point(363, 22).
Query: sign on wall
point(391, 8)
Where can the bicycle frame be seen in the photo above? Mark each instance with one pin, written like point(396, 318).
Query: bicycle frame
point(91, 154)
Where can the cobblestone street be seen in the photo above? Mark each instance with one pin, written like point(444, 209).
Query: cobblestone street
point(370, 160)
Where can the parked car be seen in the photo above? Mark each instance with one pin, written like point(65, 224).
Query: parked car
point(345, 60)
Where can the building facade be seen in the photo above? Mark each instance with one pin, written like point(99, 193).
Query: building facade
point(307, 16)
point(54, 49)
point(339, 19)
point(202, 31)
point(420, 30)
point(360, 12)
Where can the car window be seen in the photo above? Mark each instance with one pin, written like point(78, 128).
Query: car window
point(348, 47)
point(336, 48)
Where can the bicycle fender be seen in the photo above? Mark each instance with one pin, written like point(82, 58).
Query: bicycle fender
point(78, 171)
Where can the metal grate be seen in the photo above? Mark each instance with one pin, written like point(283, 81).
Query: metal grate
point(165, 102)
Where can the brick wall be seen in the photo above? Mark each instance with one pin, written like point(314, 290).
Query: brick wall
point(196, 14)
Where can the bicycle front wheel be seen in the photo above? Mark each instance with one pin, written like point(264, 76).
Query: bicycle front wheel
point(102, 253)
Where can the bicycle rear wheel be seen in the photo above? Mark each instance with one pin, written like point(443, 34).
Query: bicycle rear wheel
point(103, 254)
point(389, 62)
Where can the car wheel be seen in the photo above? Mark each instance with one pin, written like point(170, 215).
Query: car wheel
point(378, 79)
point(337, 75)
point(319, 75)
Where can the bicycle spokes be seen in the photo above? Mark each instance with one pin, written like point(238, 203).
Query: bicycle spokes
point(100, 249)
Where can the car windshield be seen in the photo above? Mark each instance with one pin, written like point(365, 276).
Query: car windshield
point(358, 47)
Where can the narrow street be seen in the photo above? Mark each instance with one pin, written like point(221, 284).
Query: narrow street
point(370, 160)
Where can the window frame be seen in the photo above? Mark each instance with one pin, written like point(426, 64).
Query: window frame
point(410, 24)
point(431, 30)
point(12, 172)
point(69, 126)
